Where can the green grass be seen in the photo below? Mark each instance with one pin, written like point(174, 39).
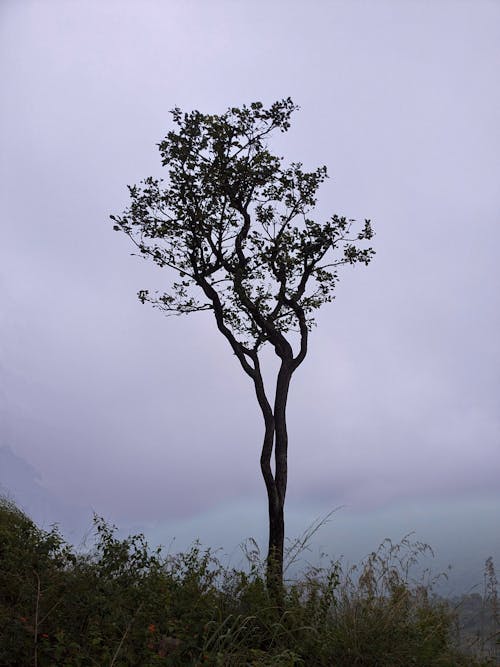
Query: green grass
point(125, 604)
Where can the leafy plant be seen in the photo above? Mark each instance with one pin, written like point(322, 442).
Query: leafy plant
point(123, 604)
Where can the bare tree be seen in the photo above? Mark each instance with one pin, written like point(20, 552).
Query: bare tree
point(233, 223)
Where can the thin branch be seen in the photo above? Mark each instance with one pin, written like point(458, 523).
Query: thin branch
point(127, 629)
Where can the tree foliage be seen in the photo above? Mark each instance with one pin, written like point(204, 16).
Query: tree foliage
point(236, 225)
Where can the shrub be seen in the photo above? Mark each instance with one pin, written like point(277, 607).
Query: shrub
point(125, 604)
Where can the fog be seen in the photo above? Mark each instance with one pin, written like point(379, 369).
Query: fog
point(149, 420)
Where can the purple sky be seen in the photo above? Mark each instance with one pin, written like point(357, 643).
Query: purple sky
point(396, 411)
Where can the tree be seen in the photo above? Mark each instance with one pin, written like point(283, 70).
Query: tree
point(233, 223)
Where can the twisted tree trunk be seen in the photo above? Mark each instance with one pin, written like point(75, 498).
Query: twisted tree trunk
point(276, 438)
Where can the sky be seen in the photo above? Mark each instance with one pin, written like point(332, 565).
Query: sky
point(108, 406)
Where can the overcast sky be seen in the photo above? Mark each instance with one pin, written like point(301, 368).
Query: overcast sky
point(395, 414)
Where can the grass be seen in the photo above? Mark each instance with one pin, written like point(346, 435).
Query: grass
point(125, 604)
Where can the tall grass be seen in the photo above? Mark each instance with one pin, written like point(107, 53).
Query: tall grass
point(125, 604)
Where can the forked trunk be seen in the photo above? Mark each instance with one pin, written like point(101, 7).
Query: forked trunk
point(276, 437)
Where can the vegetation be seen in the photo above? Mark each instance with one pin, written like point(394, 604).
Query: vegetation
point(124, 604)
point(235, 228)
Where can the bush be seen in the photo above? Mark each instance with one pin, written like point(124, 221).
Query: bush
point(124, 604)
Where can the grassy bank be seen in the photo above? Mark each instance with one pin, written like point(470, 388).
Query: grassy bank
point(125, 604)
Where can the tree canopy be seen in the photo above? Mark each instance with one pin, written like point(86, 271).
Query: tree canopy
point(236, 225)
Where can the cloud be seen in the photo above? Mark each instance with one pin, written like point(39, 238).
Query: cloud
point(148, 418)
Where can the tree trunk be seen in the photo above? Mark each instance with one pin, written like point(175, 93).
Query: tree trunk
point(274, 572)
point(277, 436)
